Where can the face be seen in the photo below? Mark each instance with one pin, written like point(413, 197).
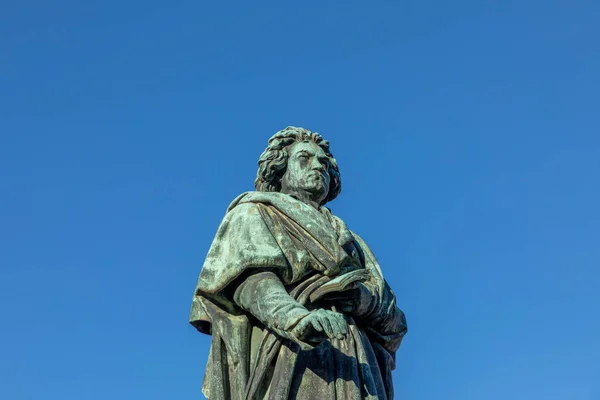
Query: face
point(307, 173)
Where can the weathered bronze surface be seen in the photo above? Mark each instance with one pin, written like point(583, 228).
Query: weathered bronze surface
point(296, 303)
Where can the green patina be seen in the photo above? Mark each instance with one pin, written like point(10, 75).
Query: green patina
point(274, 248)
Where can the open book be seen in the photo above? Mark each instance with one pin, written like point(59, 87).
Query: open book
point(340, 283)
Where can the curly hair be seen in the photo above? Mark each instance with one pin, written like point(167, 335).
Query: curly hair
point(272, 163)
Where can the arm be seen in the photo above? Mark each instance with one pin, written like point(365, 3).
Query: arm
point(377, 308)
point(264, 296)
point(385, 322)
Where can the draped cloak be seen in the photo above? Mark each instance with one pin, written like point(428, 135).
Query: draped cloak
point(304, 248)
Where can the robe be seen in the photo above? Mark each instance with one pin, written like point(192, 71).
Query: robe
point(269, 254)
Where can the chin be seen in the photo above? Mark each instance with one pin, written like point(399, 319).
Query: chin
point(320, 192)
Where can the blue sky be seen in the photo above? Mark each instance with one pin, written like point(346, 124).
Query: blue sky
point(467, 137)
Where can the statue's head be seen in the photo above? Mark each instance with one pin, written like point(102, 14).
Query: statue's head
point(298, 162)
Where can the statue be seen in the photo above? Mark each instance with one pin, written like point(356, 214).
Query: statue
point(295, 302)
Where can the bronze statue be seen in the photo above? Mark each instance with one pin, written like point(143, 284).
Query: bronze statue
point(295, 302)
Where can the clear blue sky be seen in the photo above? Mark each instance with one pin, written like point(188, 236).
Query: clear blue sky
point(466, 132)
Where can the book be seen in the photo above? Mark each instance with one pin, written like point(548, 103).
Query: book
point(340, 283)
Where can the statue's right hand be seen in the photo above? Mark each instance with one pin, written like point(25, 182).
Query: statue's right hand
point(320, 325)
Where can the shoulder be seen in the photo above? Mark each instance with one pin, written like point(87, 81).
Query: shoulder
point(367, 252)
point(243, 213)
point(243, 223)
point(362, 244)
point(235, 202)
point(258, 197)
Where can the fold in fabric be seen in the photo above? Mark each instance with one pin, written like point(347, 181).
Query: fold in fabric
point(270, 252)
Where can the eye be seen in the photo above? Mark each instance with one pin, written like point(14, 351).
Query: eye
point(325, 161)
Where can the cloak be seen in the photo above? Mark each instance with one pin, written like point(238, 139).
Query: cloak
point(261, 359)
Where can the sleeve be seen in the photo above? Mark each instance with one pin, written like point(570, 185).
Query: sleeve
point(385, 322)
point(264, 296)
